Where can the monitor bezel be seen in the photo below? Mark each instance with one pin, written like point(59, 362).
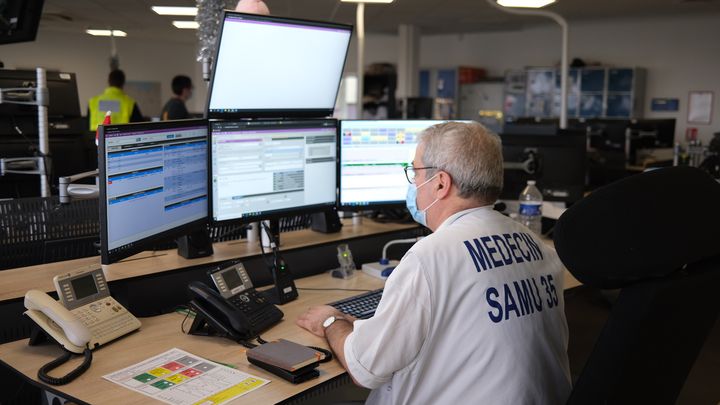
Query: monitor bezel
point(563, 141)
point(375, 205)
point(109, 257)
point(275, 214)
point(278, 112)
point(31, 13)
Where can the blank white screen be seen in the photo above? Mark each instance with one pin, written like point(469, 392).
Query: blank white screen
point(270, 65)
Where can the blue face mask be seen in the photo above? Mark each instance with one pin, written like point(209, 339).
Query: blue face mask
point(420, 216)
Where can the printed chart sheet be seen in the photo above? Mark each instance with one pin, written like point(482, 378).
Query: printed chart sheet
point(178, 377)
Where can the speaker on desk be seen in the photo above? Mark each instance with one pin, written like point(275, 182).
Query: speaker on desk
point(326, 221)
point(195, 244)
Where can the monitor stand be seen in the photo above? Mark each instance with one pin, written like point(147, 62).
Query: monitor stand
point(195, 244)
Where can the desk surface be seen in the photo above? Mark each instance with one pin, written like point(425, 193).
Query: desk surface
point(161, 333)
point(15, 282)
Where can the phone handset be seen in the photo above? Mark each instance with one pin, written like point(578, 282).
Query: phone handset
point(57, 321)
point(86, 318)
point(218, 313)
point(236, 310)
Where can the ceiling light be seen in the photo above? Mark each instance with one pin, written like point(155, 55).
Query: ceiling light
point(366, 1)
point(106, 33)
point(186, 25)
point(189, 11)
point(525, 3)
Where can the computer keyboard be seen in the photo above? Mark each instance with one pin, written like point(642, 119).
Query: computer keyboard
point(360, 306)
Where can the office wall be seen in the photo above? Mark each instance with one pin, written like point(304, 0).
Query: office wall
point(142, 60)
point(88, 57)
point(379, 48)
point(680, 53)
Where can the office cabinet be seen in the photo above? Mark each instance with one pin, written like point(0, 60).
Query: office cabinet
point(443, 85)
point(593, 92)
point(515, 93)
point(625, 93)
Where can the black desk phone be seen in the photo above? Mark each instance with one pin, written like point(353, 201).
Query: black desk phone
point(235, 310)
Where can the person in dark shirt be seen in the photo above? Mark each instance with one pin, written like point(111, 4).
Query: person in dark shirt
point(175, 107)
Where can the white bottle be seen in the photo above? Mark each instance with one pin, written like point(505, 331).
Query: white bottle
point(530, 213)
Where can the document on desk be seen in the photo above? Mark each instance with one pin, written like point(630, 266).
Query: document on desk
point(178, 377)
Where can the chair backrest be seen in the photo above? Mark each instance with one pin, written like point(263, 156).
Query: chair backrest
point(653, 235)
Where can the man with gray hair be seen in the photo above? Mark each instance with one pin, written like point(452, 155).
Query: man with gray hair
point(474, 313)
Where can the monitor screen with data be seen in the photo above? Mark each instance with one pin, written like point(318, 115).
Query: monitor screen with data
point(153, 184)
point(269, 169)
point(276, 67)
point(372, 156)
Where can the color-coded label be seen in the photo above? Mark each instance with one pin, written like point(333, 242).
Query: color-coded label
point(187, 360)
point(144, 377)
point(177, 378)
point(205, 366)
point(235, 390)
point(159, 372)
point(163, 384)
point(191, 372)
point(173, 366)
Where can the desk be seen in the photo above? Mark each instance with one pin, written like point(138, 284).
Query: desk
point(161, 333)
point(14, 283)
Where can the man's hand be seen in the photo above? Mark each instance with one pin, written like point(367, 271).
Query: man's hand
point(314, 317)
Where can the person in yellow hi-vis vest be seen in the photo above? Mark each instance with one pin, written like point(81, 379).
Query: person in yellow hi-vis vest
point(122, 107)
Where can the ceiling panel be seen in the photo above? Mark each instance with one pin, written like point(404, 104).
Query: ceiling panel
point(432, 16)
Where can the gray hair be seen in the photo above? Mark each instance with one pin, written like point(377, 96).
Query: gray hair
point(470, 153)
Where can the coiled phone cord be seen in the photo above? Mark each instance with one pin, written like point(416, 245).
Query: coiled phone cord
point(43, 372)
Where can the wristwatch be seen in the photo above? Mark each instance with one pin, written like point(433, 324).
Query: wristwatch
point(329, 321)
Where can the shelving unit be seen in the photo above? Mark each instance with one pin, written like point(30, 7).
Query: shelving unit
point(593, 92)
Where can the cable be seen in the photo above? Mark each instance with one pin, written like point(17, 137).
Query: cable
point(247, 344)
point(187, 310)
point(333, 289)
point(398, 241)
point(327, 353)
point(44, 377)
point(263, 226)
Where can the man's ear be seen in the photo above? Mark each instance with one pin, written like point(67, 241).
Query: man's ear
point(444, 185)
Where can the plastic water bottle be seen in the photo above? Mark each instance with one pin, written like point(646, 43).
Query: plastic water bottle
point(530, 213)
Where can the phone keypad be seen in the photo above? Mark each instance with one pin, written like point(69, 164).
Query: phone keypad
point(107, 331)
point(260, 313)
point(106, 319)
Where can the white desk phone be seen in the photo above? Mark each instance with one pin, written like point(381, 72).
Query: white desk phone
point(86, 317)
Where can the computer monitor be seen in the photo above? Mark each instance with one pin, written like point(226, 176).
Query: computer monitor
point(372, 156)
point(19, 20)
point(659, 133)
point(64, 101)
point(276, 67)
point(270, 169)
point(558, 164)
point(153, 184)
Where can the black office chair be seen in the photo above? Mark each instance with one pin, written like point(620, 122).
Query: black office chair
point(655, 236)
